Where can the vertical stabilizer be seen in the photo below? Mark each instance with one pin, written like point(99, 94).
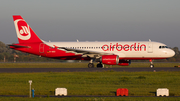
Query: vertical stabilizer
point(24, 32)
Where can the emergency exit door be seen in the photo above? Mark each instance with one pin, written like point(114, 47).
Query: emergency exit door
point(150, 47)
point(41, 48)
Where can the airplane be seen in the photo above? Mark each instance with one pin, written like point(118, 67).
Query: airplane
point(110, 53)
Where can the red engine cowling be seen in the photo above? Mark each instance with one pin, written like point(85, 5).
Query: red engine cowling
point(124, 62)
point(110, 59)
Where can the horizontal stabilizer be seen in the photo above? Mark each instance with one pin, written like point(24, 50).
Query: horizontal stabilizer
point(18, 46)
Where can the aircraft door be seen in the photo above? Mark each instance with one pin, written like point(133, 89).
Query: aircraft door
point(41, 48)
point(150, 47)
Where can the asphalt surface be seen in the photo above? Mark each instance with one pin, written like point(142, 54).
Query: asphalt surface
point(134, 69)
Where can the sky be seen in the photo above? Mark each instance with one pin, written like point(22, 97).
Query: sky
point(94, 20)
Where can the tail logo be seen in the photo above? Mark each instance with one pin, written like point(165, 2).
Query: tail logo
point(22, 29)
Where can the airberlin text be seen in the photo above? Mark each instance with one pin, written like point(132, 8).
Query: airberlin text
point(125, 47)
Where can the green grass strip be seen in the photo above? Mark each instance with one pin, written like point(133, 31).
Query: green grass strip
point(91, 99)
point(90, 83)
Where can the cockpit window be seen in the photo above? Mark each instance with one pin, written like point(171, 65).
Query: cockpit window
point(160, 47)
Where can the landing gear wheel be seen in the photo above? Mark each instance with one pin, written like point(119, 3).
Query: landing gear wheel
point(151, 65)
point(99, 65)
point(90, 65)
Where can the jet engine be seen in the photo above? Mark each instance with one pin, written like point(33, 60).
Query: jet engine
point(110, 59)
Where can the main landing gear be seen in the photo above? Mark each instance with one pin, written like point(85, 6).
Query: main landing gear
point(99, 65)
point(91, 65)
point(151, 64)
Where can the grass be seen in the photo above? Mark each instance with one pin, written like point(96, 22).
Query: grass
point(92, 99)
point(90, 83)
point(79, 65)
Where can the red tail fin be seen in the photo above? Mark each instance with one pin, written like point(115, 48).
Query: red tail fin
point(24, 33)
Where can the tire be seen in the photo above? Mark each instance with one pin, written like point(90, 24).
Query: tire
point(90, 65)
point(99, 65)
point(152, 66)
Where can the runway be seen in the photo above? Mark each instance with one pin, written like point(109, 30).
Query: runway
point(134, 69)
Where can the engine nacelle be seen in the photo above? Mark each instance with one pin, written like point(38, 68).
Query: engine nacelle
point(124, 62)
point(110, 59)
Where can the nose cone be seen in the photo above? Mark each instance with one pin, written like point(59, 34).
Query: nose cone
point(171, 53)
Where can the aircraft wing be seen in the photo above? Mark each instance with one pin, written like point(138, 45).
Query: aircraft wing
point(92, 54)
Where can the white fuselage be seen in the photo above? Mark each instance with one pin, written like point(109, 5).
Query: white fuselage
point(124, 49)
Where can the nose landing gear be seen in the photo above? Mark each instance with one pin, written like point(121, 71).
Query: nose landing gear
point(151, 63)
